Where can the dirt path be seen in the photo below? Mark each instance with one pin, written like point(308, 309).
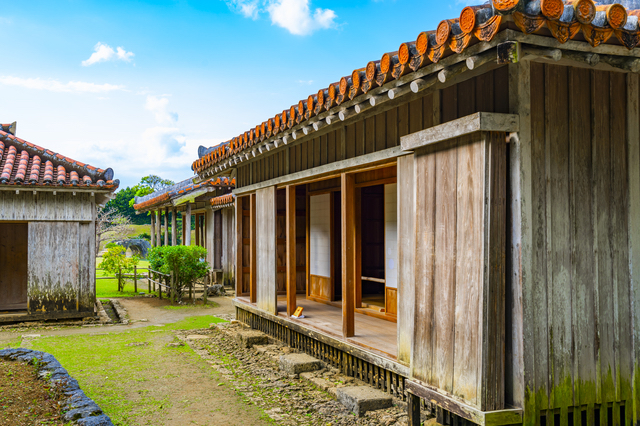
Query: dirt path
point(139, 375)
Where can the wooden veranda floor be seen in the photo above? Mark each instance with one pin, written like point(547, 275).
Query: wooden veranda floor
point(373, 334)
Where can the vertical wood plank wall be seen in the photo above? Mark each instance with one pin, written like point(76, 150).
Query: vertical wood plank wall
point(406, 255)
point(581, 311)
point(228, 257)
point(266, 267)
point(459, 274)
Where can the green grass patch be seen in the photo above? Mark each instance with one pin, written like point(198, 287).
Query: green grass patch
point(119, 377)
point(109, 288)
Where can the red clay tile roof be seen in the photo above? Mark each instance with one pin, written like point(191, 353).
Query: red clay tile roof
point(221, 201)
point(180, 189)
point(23, 163)
point(597, 22)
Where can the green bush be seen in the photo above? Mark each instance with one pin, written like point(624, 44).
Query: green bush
point(115, 261)
point(185, 262)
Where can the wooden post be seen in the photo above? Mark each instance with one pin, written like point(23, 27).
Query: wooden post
point(135, 279)
point(348, 254)
point(253, 270)
point(187, 225)
point(166, 226)
point(197, 219)
point(239, 258)
point(159, 229)
point(413, 407)
point(149, 280)
point(291, 249)
point(153, 228)
point(120, 286)
point(174, 231)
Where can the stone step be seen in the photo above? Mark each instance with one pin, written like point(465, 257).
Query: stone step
point(360, 399)
point(299, 363)
point(249, 338)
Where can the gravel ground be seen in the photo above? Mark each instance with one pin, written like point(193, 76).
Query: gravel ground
point(288, 400)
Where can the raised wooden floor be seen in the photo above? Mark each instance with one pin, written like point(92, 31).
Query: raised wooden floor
point(374, 334)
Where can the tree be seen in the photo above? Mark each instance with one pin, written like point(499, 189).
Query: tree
point(185, 262)
point(149, 185)
point(115, 261)
point(111, 225)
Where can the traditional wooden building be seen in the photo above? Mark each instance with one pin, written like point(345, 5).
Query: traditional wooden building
point(48, 208)
point(210, 205)
point(461, 219)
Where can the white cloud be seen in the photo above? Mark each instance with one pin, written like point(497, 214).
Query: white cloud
point(103, 52)
point(248, 8)
point(57, 86)
point(159, 106)
point(295, 16)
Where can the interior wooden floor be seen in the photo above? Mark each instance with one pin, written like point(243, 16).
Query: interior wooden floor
point(374, 334)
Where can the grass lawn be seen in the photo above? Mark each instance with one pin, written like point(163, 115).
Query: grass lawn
point(109, 288)
point(130, 374)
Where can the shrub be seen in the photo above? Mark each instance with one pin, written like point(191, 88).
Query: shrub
point(142, 236)
point(186, 262)
point(115, 261)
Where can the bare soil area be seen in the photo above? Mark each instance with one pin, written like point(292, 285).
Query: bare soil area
point(26, 400)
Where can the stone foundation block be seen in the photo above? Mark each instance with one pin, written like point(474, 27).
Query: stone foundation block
point(299, 363)
point(360, 399)
point(249, 338)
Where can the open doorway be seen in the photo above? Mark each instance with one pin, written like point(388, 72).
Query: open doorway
point(13, 264)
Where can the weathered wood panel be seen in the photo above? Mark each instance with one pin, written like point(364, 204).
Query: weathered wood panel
point(13, 264)
point(581, 315)
point(406, 255)
point(87, 267)
point(44, 206)
point(228, 257)
point(266, 267)
point(54, 266)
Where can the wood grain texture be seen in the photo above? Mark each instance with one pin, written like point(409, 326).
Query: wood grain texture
point(44, 206)
point(291, 249)
point(266, 271)
point(253, 248)
point(13, 264)
point(239, 246)
point(406, 255)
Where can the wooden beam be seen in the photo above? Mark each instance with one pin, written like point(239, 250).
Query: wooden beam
point(291, 249)
point(348, 254)
point(478, 122)
point(153, 228)
point(239, 258)
point(385, 156)
point(253, 260)
point(484, 418)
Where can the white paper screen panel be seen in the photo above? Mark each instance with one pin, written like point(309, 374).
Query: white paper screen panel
point(320, 235)
point(391, 234)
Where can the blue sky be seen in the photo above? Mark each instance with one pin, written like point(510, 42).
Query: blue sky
point(139, 85)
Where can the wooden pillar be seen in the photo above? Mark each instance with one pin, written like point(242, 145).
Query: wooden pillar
point(633, 148)
point(153, 228)
point(253, 261)
point(197, 219)
point(166, 226)
point(291, 249)
point(174, 231)
point(159, 229)
point(187, 225)
point(348, 254)
point(522, 352)
point(267, 271)
point(239, 259)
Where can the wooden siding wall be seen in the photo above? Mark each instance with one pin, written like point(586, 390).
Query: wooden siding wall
point(579, 314)
point(460, 226)
point(487, 93)
point(44, 206)
point(61, 273)
point(266, 253)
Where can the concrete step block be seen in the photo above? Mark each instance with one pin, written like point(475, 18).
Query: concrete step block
point(360, 399)
point(249, 338)
point(299, 363)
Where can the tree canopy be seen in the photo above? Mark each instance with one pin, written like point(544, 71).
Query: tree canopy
point(125, 198)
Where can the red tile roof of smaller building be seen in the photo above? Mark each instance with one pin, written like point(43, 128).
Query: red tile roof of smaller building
point(221, 201)
point(180, 189)
point(24, 163)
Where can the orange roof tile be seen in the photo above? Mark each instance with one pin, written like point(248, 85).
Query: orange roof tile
point(598, 23)
point(180, 189)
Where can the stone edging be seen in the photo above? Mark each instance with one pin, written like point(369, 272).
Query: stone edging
point(80, 409)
